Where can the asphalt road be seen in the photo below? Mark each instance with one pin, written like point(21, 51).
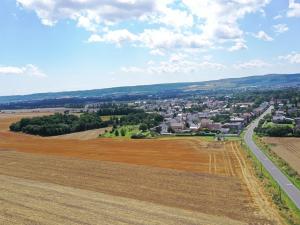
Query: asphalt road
point(292, 191)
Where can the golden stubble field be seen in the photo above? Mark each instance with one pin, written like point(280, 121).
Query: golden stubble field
point(118, 181)
point(288, 149)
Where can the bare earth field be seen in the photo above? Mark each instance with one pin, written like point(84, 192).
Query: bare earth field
point(288, 149)
point(117, 181)
point(83, 135)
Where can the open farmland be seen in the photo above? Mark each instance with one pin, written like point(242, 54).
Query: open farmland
point(83, 135)
point(120, 181)
point(288, 149)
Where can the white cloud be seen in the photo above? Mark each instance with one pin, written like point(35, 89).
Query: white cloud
point(277, 17)
point(294, 9)
point(117, 37)
point(157, 52)
point(221, 18)
point(195, 24)
point(132, 69)
point(263, 36)
point(153, 38)
point(176, 64)
point(280, 28)
point(27, 70)
point(240, 45)
point(293, 58)
point(255, 63)
point(88, 12)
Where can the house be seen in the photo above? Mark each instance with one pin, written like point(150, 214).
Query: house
point(194, 127)
point(280, 119)
point(215, 126)
point(279, 113)
point(224, 130)
point(237, 119)
point(236, 126)
point(177, 126)
point(164, 128)
point(205, 123)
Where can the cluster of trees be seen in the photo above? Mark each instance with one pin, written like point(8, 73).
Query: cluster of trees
point(145, 120)
point(221, 118)
point(274, 130)
point(58, 124)
point(114, 109)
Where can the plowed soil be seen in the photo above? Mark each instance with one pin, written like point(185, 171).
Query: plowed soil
point(114, 181)
point(288, 149)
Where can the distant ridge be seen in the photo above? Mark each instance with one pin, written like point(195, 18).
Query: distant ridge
point(251, 82)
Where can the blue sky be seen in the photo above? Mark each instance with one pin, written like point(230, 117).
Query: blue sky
point(58, 45)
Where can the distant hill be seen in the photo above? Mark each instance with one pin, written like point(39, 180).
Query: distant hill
point(252, 82)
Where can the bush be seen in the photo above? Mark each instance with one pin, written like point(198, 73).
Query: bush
point(138, 136)
point(123, 132)
point(143, 127)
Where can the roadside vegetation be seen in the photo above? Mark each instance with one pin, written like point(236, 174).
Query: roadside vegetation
point(267, 128)
point(292, 174)
point(286, 207)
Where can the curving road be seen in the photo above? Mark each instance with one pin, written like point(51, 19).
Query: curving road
point(292, 191)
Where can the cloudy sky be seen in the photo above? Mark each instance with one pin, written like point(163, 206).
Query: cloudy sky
point(55, 45)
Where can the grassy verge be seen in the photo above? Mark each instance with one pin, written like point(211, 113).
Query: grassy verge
point(205, 138)
point(106, 118)
point(286, 207)
point(125, 132)
point(290, 173)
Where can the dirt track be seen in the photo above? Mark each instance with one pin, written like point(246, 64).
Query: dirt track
point(178, 181)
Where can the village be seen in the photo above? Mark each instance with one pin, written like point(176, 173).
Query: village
point(203, 116)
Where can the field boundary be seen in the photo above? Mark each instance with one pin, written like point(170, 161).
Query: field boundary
point(282, 164)
point(288, 210)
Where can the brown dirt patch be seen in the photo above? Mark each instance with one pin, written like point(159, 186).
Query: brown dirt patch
point(205, 193)
point(288, 149)
point(184, 174)
point(23, 202)
point(84, 135)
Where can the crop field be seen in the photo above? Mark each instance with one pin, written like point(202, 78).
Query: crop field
point(288, 149)
point(122, 181)
point(84, 135)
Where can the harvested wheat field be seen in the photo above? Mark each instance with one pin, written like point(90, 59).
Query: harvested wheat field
point(118, 181)
point(288, 149)
point(84, 135)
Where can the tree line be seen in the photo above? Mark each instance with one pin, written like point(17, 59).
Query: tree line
point(58, 124)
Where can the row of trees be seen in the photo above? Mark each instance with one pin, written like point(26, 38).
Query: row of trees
point(117, 109)
point(58, 124)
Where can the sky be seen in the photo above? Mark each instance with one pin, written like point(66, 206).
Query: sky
point(61, 45)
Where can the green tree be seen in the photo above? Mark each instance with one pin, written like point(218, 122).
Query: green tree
point(143, 127)
point(123, 132)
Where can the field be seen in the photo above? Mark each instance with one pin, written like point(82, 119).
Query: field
point(123, 181)
point(288, 149)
